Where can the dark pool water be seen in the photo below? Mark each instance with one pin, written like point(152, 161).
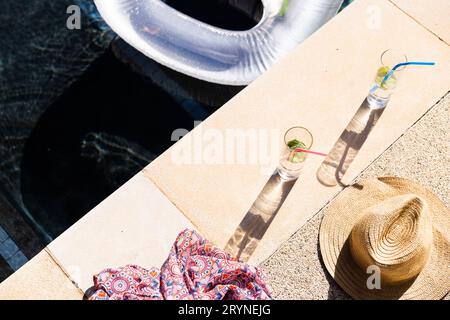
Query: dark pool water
point(103, 129)
point(81, 112)
point(39, 59)
point(220, 13)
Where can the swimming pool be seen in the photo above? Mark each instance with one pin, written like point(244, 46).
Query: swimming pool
point(81, 112)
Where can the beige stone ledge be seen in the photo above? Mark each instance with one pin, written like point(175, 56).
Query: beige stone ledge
point(137, 224)
point(432, 14)
point(40, 279)
point(319, 86)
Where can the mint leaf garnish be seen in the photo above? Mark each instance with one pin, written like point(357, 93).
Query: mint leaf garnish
point(293, 144)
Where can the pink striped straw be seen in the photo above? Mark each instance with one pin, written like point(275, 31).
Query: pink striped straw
point(309, 151)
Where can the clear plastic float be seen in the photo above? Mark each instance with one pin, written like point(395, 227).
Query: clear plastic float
point(213, 54)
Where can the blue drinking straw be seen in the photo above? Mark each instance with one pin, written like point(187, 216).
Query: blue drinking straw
point(416, 63)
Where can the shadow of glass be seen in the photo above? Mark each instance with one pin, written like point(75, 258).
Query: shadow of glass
point(345, 150)
point(252, 228)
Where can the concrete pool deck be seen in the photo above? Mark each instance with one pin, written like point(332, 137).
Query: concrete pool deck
point(138, 223)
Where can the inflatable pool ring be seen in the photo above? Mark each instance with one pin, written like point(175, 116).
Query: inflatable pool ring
point(197, 49)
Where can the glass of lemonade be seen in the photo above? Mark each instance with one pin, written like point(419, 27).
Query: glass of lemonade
point(381, 91)
point(292, 160)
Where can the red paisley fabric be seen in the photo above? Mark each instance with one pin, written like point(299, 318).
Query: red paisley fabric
point(195, 269)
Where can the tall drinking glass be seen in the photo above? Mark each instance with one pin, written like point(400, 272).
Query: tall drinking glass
point(292, 160)
point(381, 91)
point(344, 151)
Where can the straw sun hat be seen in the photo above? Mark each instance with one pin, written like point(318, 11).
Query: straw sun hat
point(395, 227)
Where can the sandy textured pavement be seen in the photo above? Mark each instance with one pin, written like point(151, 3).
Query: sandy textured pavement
point(422, 154)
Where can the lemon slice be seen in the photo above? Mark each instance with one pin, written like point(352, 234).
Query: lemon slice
point(389, 83)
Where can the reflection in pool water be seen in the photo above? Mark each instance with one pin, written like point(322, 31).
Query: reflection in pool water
point(97, 135)
point(67, 142)
point(39, 59)
point(64, 150)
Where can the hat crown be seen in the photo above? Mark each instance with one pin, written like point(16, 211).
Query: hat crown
point(395, 235)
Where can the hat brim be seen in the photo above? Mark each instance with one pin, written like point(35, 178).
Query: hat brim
point(343, 213)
